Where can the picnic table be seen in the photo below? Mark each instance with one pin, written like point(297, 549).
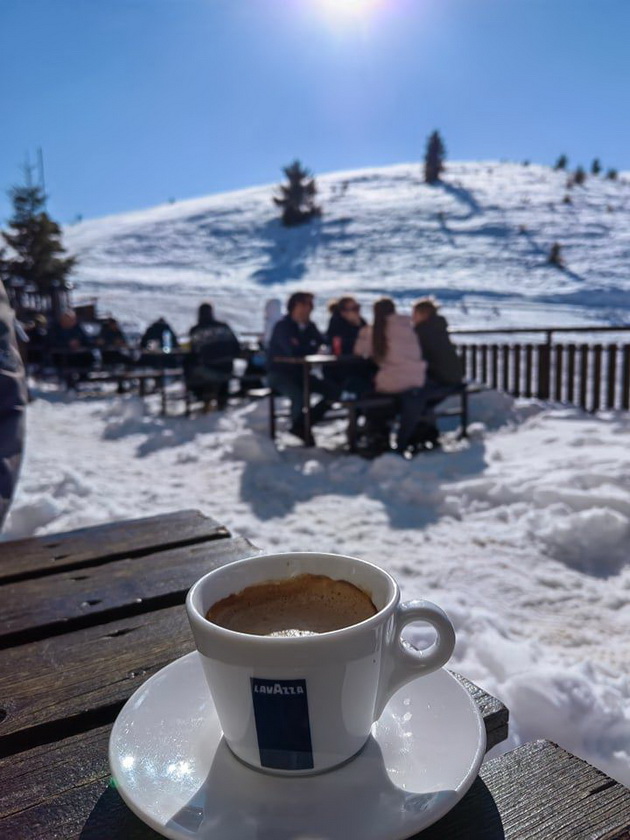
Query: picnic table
point(89, 615)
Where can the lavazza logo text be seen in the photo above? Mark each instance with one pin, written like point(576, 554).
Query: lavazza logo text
point(278, 688)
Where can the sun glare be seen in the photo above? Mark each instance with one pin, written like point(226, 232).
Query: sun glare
point(348, 9)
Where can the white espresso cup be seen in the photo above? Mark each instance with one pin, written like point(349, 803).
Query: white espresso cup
point(301, 705)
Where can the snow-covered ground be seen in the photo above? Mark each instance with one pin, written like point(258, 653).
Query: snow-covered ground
point(522, 533)
point(479, 241)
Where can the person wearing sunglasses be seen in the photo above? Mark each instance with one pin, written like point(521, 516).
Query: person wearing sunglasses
point(343, 329)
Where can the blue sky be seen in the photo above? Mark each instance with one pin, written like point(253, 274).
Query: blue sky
point(135, 102)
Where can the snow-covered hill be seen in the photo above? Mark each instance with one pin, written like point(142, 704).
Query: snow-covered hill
point(479, 241)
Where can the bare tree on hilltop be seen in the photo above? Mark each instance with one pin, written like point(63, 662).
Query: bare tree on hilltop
point(35, 267)
point(434, 158)
point(297, 198)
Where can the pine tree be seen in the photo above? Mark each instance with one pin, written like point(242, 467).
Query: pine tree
point(297, 198)
point(611, 175)
point(434, 158)
point(579, 176)
point(596, 167)
point(35, 260)
point(561, 163)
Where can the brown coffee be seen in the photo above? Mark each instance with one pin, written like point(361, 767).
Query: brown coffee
point(298, 606)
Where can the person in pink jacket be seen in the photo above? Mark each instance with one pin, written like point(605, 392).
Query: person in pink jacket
point(392, 344)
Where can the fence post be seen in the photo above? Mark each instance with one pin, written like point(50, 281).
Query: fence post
point(570, 372)
point(611, 376)
point(558, 372)
point(529, 353)
point(544, 362)
point(596, 383)
point(583, 374)
point(505, 365)
point(484, 363)
point(625, 379)
point(516, 387)
point(494, 366)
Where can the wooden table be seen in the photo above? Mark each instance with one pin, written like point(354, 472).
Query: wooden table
point(307, 364)
point(89, 615)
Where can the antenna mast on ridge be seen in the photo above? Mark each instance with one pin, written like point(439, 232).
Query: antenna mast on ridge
point(40, 166)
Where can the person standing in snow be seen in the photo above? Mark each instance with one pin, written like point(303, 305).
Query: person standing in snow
point(13, 399)
point(272, 314)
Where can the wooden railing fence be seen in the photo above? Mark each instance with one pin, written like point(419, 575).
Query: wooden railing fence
point(592, 376)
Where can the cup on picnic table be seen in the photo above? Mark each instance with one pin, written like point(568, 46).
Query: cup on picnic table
point(302, 652)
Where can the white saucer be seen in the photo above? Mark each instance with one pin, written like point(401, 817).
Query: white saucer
point(174, 770)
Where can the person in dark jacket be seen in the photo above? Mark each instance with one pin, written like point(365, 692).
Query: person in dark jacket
point(445, 370)
point(341, 335)
point(297, 336)
point(68, 335)
point(213, 348)
point(13, 399)
point(70, 348)
point(444, 364)
point(113, 345)
point(158, 335)
point(111, 336)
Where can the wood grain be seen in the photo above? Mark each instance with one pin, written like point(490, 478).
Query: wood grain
point(49, 605)
point(536, 792)
point(50, 685)
point(102, 543)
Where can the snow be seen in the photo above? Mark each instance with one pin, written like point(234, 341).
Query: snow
point(522, 533)
point(479, 241)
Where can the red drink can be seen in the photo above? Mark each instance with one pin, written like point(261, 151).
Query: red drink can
point(336, 345)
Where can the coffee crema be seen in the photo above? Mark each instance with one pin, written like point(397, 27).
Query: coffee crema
point(303, 605)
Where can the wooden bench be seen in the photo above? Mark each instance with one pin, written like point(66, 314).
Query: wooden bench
point(353, 408)
point(244, 393)
point(357, 406)
point(139, 378)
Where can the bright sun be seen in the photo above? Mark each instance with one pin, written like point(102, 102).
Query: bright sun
point(348, 8)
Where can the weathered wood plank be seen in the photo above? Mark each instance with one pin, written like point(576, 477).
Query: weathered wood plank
point(61, 789)
point(49, 605)
point(61, 679)
point(101, 543)
point(495, 714)
point(538, 792)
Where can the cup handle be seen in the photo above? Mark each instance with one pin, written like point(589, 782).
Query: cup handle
point(403, 662)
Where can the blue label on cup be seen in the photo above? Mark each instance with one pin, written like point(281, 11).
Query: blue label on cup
point(282, 724)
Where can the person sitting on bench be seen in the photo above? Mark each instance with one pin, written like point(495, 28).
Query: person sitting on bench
point(444, 366)
point(295, 335)
point(401, 369)
point(445, 370)
point(345, 323)
point(208, 367)
point(70, 348)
